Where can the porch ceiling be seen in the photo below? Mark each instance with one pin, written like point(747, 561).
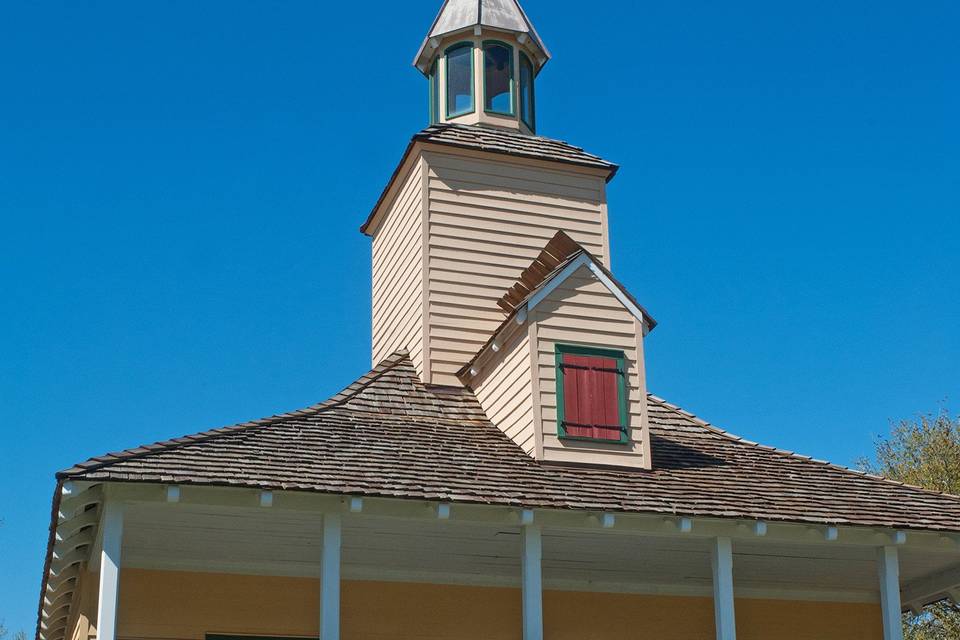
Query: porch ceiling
point(270, 542)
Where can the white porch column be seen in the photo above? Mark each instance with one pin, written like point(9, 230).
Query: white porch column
point(889, 567)
point(330, 578)
point(532, 582)
point(112, 535)
point(721, 556)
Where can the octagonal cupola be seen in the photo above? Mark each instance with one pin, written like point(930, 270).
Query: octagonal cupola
point(481, 58)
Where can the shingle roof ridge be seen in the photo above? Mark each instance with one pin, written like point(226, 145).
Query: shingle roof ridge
point(791, 454)
point(351, 390)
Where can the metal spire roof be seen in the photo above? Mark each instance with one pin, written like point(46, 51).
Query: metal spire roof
point(457, 15)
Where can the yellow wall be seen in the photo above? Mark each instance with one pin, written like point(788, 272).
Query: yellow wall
point(182, 606)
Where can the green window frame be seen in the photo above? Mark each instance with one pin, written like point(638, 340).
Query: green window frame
point(527, 106)
point(433, 93)
point(512, 80)
point(446, 66)
point(622, 391)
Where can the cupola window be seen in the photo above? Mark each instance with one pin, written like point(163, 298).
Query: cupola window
point(591, 394)
point(459, 79)
point(498, 78)
point(526, 93)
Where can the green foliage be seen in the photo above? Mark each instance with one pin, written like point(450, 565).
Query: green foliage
point(924, 452)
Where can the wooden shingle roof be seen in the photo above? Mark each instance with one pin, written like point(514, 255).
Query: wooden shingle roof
point(512, 143)
point(388, 435)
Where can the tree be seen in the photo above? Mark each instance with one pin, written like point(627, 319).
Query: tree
point(19, 635)
point(925, 452)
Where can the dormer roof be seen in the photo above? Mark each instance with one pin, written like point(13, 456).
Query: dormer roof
point(558, 260)
point(460, 15)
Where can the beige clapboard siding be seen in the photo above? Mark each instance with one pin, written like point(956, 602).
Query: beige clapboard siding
point(488, 220)
point(582, 311)
point(398, 260)
point(503, 387)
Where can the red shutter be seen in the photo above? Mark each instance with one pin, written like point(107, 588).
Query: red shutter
point(591, 405)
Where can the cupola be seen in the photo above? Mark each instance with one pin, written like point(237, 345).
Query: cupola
point(481, 59)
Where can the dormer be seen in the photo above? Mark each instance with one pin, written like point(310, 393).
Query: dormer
point(563, 375)
point(481, 59)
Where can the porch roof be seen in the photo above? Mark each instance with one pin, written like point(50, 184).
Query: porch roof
point(388, 435)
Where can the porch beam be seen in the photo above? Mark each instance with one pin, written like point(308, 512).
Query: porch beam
point(721, 556)
point(932, 588)
point(532, 581)
point(330, 578)
point(705, 528)
point(112, 535)
point(889, 570)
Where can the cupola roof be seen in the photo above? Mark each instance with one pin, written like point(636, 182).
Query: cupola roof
point(459, 15)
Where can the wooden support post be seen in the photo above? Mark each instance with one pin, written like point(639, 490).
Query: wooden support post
point(889, 569)
point(330, 578)
point(112, 531)
point(721, 556)
point(532, 582)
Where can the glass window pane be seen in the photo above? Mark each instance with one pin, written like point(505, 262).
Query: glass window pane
point(526, 92)
point(498, 78)
point(460, 80)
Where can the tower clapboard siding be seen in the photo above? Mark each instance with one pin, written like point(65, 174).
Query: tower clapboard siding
point(487, 220)
point(398, 260)
point(484, 221)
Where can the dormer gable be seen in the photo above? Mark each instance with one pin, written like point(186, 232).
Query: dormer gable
point(563, 375)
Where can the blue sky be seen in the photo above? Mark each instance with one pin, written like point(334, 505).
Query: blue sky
point(181, 185)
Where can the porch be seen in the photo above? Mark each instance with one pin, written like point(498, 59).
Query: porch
point(192, 562)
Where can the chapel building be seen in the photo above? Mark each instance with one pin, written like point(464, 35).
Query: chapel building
point(502, 471)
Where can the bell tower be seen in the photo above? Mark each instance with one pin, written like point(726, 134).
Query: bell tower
point(481, 59)
point(477, 194)
point(491, 254)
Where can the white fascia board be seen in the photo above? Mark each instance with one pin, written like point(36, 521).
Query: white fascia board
point(581, 261)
